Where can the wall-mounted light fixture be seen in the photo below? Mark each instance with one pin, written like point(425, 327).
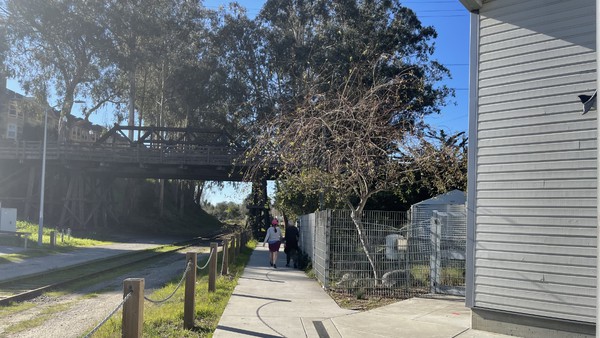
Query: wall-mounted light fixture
point(588, 101)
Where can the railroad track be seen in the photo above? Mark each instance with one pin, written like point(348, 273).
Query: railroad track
point(30, 286)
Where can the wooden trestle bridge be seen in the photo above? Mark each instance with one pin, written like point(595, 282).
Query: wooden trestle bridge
point(80, 175)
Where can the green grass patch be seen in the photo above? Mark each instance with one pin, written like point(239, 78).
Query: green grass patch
point(166, 319)
point(38, 319)
point(449, 275)
point(64, 243)
point(13, 308)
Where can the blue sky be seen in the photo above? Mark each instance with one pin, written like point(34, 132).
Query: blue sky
point(451, 21)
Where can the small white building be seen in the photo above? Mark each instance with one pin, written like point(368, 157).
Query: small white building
point(532, 185)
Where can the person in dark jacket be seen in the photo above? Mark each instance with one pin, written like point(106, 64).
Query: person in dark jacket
point(291, 244)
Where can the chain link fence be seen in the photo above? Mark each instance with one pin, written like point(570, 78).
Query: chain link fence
point(401, 254)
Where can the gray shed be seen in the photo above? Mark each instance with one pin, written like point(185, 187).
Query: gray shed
point(452, 203)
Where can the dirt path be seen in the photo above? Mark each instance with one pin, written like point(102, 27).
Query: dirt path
point(73, 315)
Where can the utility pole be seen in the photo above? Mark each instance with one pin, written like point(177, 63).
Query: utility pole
point(43, 181)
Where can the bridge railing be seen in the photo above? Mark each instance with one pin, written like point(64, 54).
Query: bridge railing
point(120, 153)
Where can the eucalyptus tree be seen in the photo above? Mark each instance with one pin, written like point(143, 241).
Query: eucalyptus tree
point(166, 79)
point(3, 51)
point(54, 49)
point(355, 80)
point(236, 91)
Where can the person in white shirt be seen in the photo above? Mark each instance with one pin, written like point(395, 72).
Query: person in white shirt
point(273, 237)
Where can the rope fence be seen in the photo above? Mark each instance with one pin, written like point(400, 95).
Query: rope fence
point(133, 299)
point(207, 261)
point(187, 269)
point(125, 299)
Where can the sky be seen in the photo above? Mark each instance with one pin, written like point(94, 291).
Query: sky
point(451, 21)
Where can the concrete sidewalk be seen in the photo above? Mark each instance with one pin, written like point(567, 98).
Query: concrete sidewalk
point(284, 302)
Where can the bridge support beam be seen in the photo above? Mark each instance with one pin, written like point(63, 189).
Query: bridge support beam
point(259, 210)
point(88, 201)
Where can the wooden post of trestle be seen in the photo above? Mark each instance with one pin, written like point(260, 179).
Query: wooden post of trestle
point(212, 268)
point(190, 291)
point(29, 198)
point(133, 309)
point(234, 245)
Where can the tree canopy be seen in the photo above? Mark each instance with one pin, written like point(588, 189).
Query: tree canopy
point(332, 92)
point(355, 79)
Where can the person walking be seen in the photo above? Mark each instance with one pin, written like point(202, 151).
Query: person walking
point(273, 237)
point(291, 244)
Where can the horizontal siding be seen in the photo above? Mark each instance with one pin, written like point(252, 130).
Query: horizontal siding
point(536, 174)
point(558, 175)
point(521, 269)
point(560, 262)
point(532, 303)
point(493, 186)
point(556, 280)
point(561, 146)
point(546, 212)
point(532, 75)
point(571, 246)
point(539, 157)
point(538, 137)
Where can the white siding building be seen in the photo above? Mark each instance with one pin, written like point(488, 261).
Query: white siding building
point(531, 251)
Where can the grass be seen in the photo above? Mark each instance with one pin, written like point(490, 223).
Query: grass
point(67, 243)
point(449, 275)
point(15, 308)
point(166, 319)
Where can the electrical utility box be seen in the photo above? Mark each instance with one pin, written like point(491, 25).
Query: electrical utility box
point(8, 219)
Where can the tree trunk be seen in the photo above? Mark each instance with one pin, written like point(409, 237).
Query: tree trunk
point(131, 119)
point(364, 242)
point(161, 197)
point(199, 190)
point(182, 192)
point(356, 216)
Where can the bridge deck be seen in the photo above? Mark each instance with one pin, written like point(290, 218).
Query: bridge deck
point(125, 160)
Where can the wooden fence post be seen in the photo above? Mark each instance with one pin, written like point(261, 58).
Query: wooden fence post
point(240, 244)
point(133, 309)
point(212, 268)
point(53, 238)
point(225, 266)
point(190, 291)
point(244, 238)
